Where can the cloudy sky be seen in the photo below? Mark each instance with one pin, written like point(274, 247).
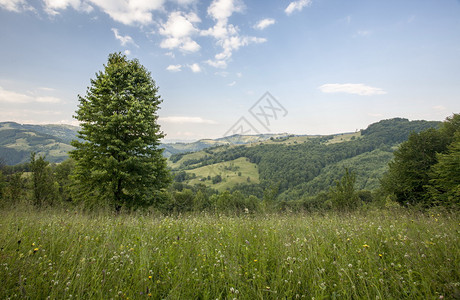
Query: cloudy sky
point(329, 65)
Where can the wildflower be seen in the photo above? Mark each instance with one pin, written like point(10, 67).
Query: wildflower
point(255, 260)
point(380, 255)
point(150, 276)
point(366, 246)
point(35, 250)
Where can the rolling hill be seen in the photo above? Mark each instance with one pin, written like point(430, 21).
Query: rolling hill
point(294, 165)
point(298, 166)
point(18, 141)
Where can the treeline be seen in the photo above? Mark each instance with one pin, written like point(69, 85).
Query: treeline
point(42, 184)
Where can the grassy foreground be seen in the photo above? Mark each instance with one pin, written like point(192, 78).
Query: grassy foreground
point(378, 255)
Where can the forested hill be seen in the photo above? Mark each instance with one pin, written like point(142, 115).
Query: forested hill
point(297, 166)
point(17, 141)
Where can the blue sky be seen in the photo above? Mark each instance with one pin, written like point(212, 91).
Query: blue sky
point(330, 66)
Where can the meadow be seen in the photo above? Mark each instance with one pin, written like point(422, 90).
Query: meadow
point(373, 254)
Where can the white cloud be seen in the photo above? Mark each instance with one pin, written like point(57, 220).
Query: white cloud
point(129, 12)
point(221, 10)
point(7, 96)
point(226, 35)
point(195, 68)
point(15, 5)
point(184, 120)
point(174, 68)
point(262, 24)
point(232, 83)
point(127, 52)
point(52, 6)
point(14, 97)
point(124, 40)
point(351, 88)
point(178, 31)
point(217, 63)
point(296, 6)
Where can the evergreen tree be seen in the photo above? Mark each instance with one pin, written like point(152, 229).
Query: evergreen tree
point(119, 161)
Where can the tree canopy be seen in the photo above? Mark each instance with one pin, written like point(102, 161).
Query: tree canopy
point(425, 167)
point(118, 159)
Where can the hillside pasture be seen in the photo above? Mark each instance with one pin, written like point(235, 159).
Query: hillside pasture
point(232, 172)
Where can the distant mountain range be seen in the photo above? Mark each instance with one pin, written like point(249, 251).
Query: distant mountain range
point(17, 141)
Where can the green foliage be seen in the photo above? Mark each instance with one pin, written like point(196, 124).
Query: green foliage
point(415, 177)
point(118, 160)
point(62, 174)
point(397, 130)
point(344, 196)
point(216, 179)
point(2, 186)
point(15, 190)
point(445, 182)
point(43, 189)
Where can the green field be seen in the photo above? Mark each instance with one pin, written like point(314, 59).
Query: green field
point(232, 172)
point(369, 255)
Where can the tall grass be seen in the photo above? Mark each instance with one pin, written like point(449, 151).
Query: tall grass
point(378, 255)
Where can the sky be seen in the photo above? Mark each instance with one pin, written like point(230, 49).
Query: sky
point(238, 66)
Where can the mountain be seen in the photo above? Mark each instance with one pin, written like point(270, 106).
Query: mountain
point(18, 141)
point(297, 166)
point(294, 165)
point(176, 148)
